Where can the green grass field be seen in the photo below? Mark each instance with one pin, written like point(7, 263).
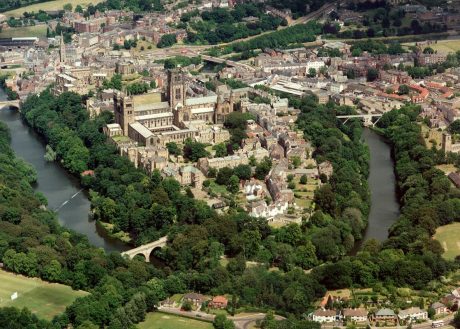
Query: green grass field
point(50, 5)
point(449, 237)
point(167, 321)
point(442, 46)
point(42, 298)
point(26, 31)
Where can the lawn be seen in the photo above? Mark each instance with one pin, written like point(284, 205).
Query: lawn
point(442, 46)
point(44, 299)
point(447, 168)
point(216, 188)
point(446, 46)
point(25, 31)
point(158, 320)
point(449, 237)
point(50, 5)
point(431, 134)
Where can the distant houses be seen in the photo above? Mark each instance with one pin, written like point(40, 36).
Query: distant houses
point(439, 308)
point(412, 314)
point(324, 316)
point(385, 316)
point(218, 302)
point(357, 315)
point(195, 299)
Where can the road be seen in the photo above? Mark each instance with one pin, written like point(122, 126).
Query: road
point(241, 322)
point(193, 50)
point(426, 325)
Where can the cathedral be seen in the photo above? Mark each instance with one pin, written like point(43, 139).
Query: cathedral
point(179, 116)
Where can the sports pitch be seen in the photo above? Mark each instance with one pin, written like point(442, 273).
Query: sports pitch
point(449, 237)
point(42, 298)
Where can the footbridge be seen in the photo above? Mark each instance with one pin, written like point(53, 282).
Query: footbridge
point(367, 118)
point(146, 249)
point(14, 103)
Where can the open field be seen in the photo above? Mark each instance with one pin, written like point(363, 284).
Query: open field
point(167, 321)
point(50, 5)
point(430, 135)
point(44, 299)
point(449, 237)
point(25, 31)
point(442, 46)
point(447, 168)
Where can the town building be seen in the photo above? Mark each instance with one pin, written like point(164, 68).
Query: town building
point(324, 316)
point(358, 315)
point(385, 315)
point(439, 308)
point(413, 314)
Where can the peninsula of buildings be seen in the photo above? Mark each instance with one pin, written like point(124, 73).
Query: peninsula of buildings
point(165, 98)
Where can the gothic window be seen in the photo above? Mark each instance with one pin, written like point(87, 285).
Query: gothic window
point(178, 93)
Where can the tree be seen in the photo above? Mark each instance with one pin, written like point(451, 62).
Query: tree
point(296, 161)
point(403, 89)
point(221, 150)
point(303, 179)
point(223, 176)
point(167, 40)
point(244, 172)
point(195, 150)
point(454, 127)
point(312, 72)
point(325, 199)
point(173, 148)
point(221, 322)
point(87, 325)
point(233, 184)
point(187, 306)
point(68, 7)
point(456, 321)
point(79, 9)
point(263, 168)
point(372, 74)
point(428, 50)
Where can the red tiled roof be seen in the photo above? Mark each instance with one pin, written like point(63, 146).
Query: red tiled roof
point(220, 300)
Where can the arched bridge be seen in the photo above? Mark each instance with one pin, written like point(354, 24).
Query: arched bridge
point(15, 103)
point(146, 249)
point(367, 118)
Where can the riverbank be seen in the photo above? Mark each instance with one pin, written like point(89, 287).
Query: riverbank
point(63, 191)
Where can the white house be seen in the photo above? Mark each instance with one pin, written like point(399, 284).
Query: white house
point(413, 313)
point(315, 65)
point(355, 315)
point(324, 316)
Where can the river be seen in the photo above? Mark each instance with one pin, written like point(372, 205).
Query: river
point(62, 190)
point(382, 183)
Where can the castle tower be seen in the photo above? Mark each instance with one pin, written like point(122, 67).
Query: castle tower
point(124, 111)
point(177, 88)
point(446, 142)
point(62, 53)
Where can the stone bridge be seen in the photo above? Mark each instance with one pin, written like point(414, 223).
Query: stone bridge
point(367, 118)
point(227, 62)
point(146, 249)
point(15, 103)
